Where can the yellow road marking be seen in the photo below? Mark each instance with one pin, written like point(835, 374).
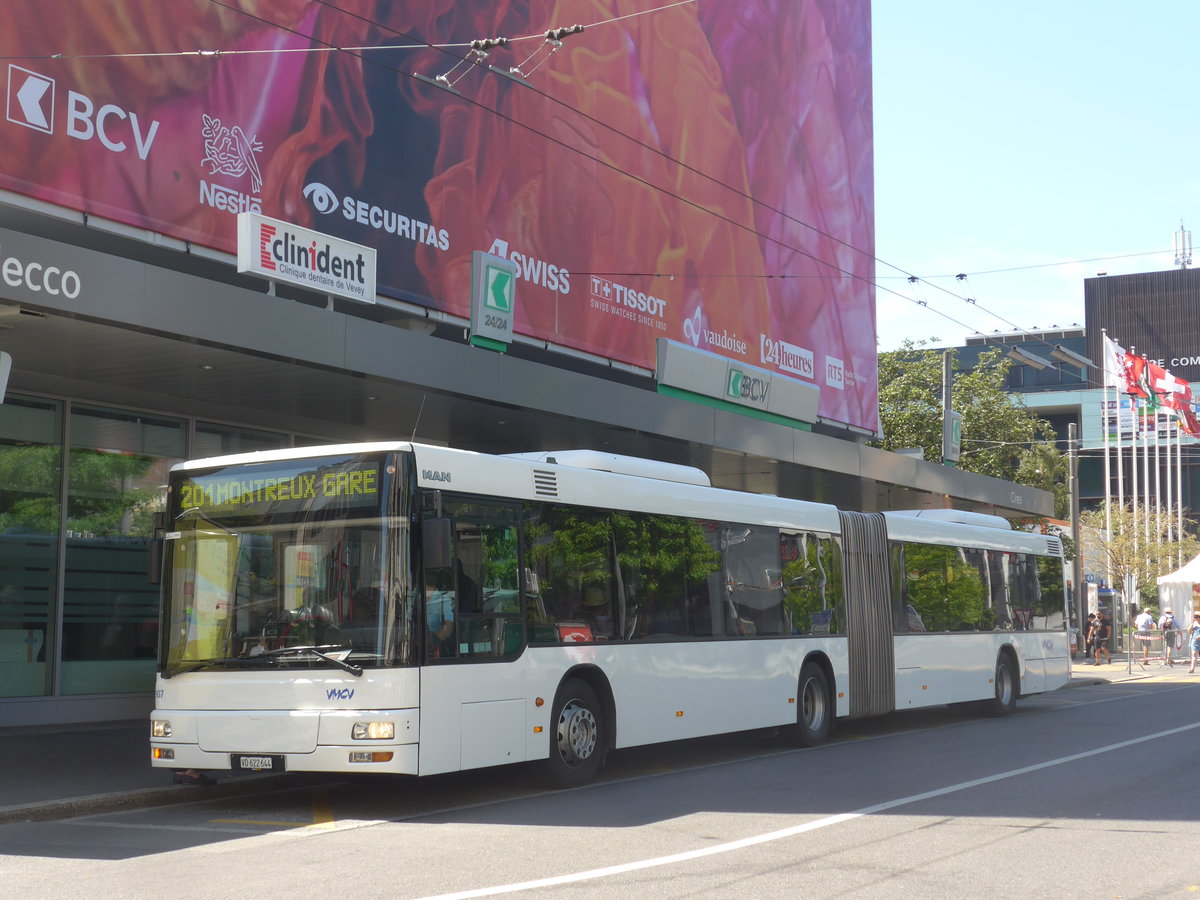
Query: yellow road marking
point(322, 809)
point(322, 815)
point(258, 822)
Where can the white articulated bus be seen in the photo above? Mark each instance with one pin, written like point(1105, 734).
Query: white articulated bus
point(413, 609)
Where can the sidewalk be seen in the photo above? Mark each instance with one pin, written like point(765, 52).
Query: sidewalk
point(58, 771)
point(54, 772)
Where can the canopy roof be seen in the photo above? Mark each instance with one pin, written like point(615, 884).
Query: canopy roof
point(1189, 572)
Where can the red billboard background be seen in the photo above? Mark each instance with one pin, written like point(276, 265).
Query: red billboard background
point(700, 172)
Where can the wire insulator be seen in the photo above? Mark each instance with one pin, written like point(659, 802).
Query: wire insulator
point(557, 34)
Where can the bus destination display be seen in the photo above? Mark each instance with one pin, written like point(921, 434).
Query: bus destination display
point(250, 490)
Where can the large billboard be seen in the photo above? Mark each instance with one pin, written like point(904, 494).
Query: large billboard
point(699, 171)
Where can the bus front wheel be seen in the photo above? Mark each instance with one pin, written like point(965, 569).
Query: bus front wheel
point(814, 713)
point(579, 736)
point(1005, 700)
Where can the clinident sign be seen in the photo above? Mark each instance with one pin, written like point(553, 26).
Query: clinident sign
point(309, 259)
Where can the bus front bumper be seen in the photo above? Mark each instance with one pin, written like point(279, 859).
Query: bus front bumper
point(274, 741)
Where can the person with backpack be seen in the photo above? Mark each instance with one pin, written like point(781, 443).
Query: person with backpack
point(1100, 639)
point(1166, 624)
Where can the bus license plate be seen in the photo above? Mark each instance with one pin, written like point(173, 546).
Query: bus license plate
point(258, 763)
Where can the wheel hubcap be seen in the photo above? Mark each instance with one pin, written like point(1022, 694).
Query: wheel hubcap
point(813, 705)
point(1004, 686)
point(576, 733)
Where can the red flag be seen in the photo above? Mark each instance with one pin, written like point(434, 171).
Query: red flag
point(1176, 396)
point(1136, 383)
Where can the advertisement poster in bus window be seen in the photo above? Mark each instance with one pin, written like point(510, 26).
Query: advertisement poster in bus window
point(700, 171)
point(204, 589)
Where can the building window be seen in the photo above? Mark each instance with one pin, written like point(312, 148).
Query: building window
point(30, 479)
point(117, 472)
point(212, 439)
point(1048, 376)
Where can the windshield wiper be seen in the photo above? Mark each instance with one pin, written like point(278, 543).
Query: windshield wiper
point(319, 652)
point(234, 660)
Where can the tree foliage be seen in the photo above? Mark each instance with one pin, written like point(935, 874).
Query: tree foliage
point(1140, 546)
point(102, 497)
point(1000, 436)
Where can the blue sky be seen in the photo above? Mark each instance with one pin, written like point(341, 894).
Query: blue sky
point(1022, 134)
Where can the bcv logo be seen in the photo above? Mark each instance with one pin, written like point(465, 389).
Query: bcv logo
point(31, 103)
point(340, 694)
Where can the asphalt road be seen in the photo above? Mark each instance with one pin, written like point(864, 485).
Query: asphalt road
point(1087, 792)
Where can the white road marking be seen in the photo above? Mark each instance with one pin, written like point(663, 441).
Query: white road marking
point(783, 833)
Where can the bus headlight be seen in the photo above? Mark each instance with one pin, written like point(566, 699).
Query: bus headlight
point(160, 728)
point(373, 731)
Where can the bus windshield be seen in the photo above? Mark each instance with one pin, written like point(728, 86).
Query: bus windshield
point(292, 563)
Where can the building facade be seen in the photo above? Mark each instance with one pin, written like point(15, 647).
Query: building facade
point(136, 341)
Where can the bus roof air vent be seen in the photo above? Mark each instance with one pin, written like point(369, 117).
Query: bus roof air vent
point(1054, 545)
point(621, 465)
point(545, 484)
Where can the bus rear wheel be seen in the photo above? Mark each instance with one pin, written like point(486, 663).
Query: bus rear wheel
point(579, 736)
point(814, 712)
point(1005, 700)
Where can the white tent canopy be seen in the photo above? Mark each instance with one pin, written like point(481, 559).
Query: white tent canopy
point(1175, 590)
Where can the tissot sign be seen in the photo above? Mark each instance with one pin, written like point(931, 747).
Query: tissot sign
point(309, 259)
point(750, 238)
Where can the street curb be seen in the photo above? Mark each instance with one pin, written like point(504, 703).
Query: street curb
point(139, 798)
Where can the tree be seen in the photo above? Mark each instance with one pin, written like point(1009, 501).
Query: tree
point(1132, 559)
point(1000, 436)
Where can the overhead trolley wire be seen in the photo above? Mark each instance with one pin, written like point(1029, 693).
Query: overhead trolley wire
point(449, 47)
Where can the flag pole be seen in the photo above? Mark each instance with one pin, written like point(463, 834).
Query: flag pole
point(1135, 410)
point(1157, 476)
point(1179, 494)
point(1172, 426)
point(1106, 380)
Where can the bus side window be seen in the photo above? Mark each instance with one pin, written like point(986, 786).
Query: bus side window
point(569, 576)
point(471, 602)
point(753, 577)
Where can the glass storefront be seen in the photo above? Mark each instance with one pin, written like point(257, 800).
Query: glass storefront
point(30, 489)
point(78, 612)
point(117, 475)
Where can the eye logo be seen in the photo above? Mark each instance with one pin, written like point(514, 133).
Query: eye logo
point(323, 199)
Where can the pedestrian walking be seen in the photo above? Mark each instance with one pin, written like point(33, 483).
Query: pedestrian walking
point(1100, 638)
point(1166, 624)
point(1195, 640)
point(1144, 624)
point(1087, 636)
